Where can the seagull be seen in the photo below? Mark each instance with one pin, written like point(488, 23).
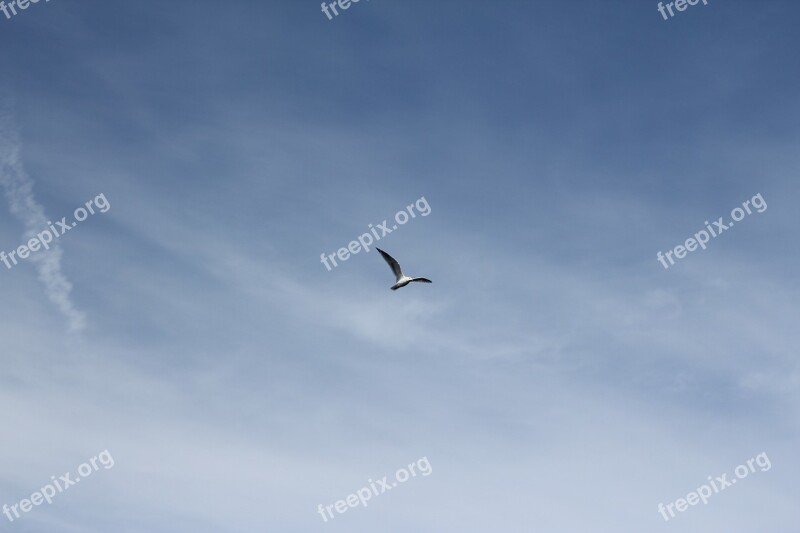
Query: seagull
point(402, 280)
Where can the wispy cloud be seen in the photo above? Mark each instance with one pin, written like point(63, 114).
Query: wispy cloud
point(18, 187)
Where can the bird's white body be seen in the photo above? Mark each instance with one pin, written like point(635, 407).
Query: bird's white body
point(402, 279)
point(402, 282)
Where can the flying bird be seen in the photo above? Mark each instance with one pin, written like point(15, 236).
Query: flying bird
point(402, 280)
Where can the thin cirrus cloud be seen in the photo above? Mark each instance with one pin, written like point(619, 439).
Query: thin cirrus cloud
point(18, 188)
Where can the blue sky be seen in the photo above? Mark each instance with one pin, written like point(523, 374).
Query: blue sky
point(555, 375)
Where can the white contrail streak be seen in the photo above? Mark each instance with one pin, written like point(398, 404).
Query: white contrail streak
point(18, 187)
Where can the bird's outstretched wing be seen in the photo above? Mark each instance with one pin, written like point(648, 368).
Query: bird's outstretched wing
point(423, 280)
point(395, 266)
